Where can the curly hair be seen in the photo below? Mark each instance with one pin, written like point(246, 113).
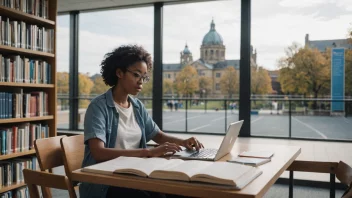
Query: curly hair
point(121, 58)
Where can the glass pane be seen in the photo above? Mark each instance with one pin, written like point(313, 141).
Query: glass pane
point(200, 65)
point(62, 75)
point(100, 33)
point(305, 49)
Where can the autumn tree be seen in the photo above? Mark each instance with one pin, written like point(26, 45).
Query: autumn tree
point(348, 74)
point(99, 86)
point(168, 86)
point(205, 83)
point(62, 79)
point(187, 81)
point(229, 82)
point(85, 85)
point(260, 81)
point(147, 90)
point(304, 71)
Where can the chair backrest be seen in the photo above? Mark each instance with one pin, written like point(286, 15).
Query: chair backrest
point(73, 153)
point(49, 152)
point(344, 174)
point(45, 179)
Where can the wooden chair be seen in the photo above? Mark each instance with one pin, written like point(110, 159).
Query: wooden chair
point(344, 174)
point(48, 180)
point(49, 156)
point(73, 153)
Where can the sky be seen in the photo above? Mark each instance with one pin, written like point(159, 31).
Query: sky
point(275, 25)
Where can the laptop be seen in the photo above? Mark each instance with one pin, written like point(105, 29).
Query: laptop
point(211, 154)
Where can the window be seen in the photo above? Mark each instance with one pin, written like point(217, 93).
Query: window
point(168, 75)
point(309, 36)
point(101, 32)
point(218, 75)
point(202, 41)
point(62, 75)
point(217, 86)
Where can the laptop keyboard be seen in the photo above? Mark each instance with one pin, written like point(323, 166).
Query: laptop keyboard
point(205, 153)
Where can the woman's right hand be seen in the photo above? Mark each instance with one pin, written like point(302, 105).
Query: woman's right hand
point(163, 149)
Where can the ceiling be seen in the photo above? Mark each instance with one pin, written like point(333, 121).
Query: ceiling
point(85, 5)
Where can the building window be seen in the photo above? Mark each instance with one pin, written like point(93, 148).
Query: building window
point(168, 76)
point(218, 75)
point(217, 86)
point(222, 53)
point(206, 53)
point(211, 52)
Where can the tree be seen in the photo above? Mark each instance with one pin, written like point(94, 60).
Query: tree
point(229, 82)
point(261, 81)
point(305, 71)
point(168, 86)
point(147, 90)
point(99, 86)
point(348, 74)
point(187, 81)
point(85, 85)
point(205, 83)
point(62, 79)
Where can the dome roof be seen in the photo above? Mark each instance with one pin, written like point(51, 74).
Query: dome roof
point(212, 37)
point(186, 50)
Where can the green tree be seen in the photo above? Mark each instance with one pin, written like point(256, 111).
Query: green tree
point(187, 81)
point(304, 71)
point(99, 86)
point(229, 82)
point(260, 81)
point(205, 83)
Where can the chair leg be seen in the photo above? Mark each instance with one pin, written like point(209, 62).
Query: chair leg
point(290, 190)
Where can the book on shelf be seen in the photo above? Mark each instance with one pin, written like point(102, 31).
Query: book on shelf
point(221, 174)
point(38, 8)
point(11, 170)
point(23, 35)
point(21, 69)
point(18, 104)
point(20, 138)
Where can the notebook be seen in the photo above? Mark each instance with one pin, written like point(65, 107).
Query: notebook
point(249, 161)
point(222, 174)
point(257, 154)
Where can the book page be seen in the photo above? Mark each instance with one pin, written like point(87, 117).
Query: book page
point(108, 167)
point(222, 173)
point(147, 165)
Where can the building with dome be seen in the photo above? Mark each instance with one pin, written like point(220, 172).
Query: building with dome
point(212, 61)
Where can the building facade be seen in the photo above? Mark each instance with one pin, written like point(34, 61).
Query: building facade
point(212, 62)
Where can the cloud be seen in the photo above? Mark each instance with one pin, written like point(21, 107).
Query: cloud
point(275, 25)
point(301, 3)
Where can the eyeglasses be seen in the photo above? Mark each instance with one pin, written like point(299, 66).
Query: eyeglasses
point(144, 78)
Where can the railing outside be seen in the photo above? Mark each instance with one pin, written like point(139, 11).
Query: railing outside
point(285, 118)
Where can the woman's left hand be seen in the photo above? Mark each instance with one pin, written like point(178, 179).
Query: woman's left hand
point(192, 142)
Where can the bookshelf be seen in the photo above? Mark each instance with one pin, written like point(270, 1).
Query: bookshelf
point(33, 77)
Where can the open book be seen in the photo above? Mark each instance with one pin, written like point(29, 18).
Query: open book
point(220, 173)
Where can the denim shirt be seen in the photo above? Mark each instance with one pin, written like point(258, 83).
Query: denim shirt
point(101, 121)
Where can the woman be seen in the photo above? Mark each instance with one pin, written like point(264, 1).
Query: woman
point(116, 124)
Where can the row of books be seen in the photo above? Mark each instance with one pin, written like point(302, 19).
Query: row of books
point(24, 70)
point(22, 35)
point(11, 171)
point(35, 7)
point(21, 137)
point(23, 105)
point(22, 192)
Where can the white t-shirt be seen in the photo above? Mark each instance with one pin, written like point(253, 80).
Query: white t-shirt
point(129, 133)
